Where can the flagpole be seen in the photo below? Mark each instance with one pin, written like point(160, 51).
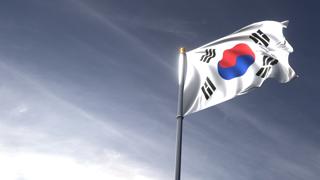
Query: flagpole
point(182, 71)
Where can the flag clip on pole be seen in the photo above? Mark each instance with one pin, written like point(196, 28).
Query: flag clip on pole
point(182, 70)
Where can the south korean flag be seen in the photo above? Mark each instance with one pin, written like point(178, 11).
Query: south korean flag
point(235, 64)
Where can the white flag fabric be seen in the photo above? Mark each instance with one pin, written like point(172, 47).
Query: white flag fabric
point(235, 64)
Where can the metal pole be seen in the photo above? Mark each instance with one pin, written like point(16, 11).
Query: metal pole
point(182, 71)
point(179, 147)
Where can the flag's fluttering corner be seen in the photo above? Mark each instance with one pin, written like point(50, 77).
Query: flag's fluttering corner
point(235, 64)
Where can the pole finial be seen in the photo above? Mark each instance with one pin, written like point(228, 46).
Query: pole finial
point(182, 50)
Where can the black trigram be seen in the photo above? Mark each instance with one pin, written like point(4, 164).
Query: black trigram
point(208, 88)
point(210, 53)
point(260, 38)
point(268, 62)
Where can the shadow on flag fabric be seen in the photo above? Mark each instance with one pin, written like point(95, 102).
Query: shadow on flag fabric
point(236, 64)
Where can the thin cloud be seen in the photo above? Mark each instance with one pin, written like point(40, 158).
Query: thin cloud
point(85, 8)
point(56, 127)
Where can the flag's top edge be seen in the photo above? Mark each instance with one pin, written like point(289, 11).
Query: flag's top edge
point(251, 26)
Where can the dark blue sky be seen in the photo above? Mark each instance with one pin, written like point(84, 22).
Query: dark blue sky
point(88, 90)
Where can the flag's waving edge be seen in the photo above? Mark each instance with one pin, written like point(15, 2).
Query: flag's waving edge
point(236, 64)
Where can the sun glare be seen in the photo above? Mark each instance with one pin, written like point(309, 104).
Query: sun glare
point(34, 166)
